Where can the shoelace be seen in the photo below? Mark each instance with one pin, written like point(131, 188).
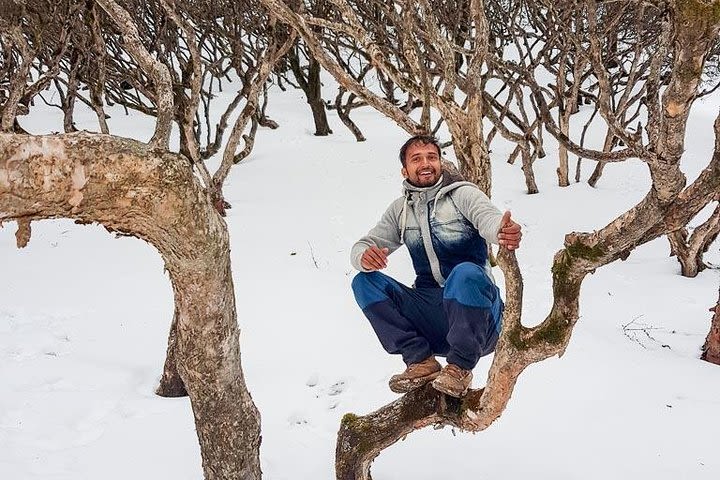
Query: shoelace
point(455, 371)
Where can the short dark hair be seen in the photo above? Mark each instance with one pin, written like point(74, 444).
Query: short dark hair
point(424, 139)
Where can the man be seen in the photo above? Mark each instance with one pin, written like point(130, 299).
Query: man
point(454, 308)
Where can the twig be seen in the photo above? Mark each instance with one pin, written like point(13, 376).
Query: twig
point(312, 255)
point(643, 329)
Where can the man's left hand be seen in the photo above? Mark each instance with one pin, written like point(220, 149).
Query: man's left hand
point(510, 233)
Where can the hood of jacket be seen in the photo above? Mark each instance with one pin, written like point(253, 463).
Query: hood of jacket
point(450, 179)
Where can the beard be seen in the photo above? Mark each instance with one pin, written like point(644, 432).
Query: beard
point(425, 180)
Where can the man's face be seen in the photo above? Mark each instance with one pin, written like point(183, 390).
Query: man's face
point(422, 164)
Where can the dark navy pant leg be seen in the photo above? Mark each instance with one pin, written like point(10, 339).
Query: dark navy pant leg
point(407, 321)
point(474, 309)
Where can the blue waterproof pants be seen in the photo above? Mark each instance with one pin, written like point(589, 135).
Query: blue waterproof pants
point(460, 321)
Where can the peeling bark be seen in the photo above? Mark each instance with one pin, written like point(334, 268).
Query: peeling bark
point(23, 233)
point(131, 188)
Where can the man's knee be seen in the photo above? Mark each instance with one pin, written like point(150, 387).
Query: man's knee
point(370, 287)
point(470, 285)
point(467, 272)
point(365, 279)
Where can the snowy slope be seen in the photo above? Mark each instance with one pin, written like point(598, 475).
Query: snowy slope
point(84, 319)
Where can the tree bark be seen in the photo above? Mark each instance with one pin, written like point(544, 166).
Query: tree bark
point(469, 144)
point(711, 349)
point(689, 249)
point(171, 384)
point(600, 166)
point(155, 69)
point(311, 85)
point(528, 173)
point(564, 112)
point(16, 87)
point(344, 114)
point(68, 105)
point(140, 191)
point(99, 50)
point(361, 439)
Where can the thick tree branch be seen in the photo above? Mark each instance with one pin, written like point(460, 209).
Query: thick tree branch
point(155, 69)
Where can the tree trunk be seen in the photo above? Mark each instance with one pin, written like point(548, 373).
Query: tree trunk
point(140, 191)
point(564, 111)
point(689, 249)
point(344, 114)
point(171, 384)
point(600, 166)
point(314, 98)
point(527, 168)
point(99, 50)
point(361, 439)
point(680, 250)
point(563, 170)
point(17, 83)
point(711, 349)
point(469, 144)
point(68, 105)
point(310, 84)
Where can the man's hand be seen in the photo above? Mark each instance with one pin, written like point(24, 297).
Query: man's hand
point(374, 258)
point(509, 235)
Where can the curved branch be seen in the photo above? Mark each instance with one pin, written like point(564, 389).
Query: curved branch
point(133, 188)
point(519, 346)
point(299, 23)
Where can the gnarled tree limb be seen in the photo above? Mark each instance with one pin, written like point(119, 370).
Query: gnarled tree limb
point(132, 188)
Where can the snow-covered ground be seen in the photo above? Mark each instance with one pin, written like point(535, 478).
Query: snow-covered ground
point(84, 319)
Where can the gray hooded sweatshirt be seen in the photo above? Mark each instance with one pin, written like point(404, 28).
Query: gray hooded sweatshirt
point(442, 225)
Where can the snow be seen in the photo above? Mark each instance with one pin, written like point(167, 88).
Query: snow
point(84, 319)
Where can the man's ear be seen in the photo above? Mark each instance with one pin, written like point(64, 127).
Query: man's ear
point(403, 170)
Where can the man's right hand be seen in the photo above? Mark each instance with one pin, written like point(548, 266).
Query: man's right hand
point(374, 258)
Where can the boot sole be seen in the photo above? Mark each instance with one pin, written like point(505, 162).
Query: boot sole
point(441, 388)
point(410, 384)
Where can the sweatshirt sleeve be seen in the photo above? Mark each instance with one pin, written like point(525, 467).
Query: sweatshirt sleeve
point(386, 234)
point(477, 208)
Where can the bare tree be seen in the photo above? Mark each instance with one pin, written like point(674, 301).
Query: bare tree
point(668, 205)
point(30, 57)
point(417, 48)
point(146, 191)
point(307, 75)
point(198, 46)
point(149, 193)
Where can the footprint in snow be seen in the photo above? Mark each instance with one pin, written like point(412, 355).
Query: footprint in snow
point(297, 418)
point(312, 380)
point(337, 388)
